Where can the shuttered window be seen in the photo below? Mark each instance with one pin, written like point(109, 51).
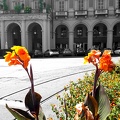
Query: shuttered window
point(71, 3)
point(90, 3)
point(61, 6)
point(100, 4)
point(81, 4)
point(118, 4)
point(111, 2)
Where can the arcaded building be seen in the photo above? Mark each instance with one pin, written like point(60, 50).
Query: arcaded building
point(68, 23)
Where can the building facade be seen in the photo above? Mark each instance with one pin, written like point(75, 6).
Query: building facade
point(69, 23)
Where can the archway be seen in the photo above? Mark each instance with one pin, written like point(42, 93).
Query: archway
point(35, 36)
point(14, 35)
point(116, 36)
point(61, 37)
point(80, 37)
point(100, 36)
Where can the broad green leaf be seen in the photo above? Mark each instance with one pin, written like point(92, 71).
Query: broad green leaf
point(41, 115)
point(92, 104)
point(103, 102)
point(20, 114)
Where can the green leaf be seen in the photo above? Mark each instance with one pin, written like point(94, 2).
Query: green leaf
point(20, 114)
point(41, 115)
point(92, 104)
point(103, 102)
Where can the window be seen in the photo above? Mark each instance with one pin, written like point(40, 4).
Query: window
point(100, 4)
point(36, 4)
point(118, 4)
point(115, 31)
point(61, 6)
point(79, 31)
point(96, 31)
point(63, 32)
point(90, 3)
point(111, 3)
point(81, 4)
point(14, 3)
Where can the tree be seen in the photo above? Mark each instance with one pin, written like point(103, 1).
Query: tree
point(5, 7)
point(41, 5)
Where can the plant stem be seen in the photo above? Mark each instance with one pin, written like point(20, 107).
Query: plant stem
point(32, 84)
point(97, 74)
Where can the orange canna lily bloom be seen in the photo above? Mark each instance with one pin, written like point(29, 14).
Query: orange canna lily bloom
point(18, 56)
point(7, 56)
point(105, 62)
point(92, 57)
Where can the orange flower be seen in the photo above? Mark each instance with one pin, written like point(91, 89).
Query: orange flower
point(92, 57)
point(105, 62)
point(19, 55)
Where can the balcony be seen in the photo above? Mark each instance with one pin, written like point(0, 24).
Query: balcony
point(61, 14)
point(21, 12)
point(117, 11)
point(79, 13)
point(99, 12)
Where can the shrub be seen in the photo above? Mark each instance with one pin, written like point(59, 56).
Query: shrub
point(18, 8)
point(27, 9)
point(76, 93)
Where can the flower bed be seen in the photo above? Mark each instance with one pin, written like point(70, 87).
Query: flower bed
point(76, 92)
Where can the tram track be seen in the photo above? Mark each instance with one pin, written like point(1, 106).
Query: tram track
point(46, 82)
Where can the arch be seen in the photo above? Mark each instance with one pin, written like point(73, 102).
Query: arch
point(29, 23)
point(100, 36)
point(80, 36)
point(102, 22)
point(82, 23)
point(116, 35)
point(34, 36)
point(114, 23)
point(13, 34)
point(61, 37)
point(61, 23)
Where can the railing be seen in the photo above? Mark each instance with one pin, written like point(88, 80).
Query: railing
point(116, 38)
point(81, 12)
point(61, 13)
point(80, 39)
point(100, 39)
point(117, 11)
point(21, 12)
point(101, 12)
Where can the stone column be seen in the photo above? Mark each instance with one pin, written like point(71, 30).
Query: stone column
point(90, 39)
point(2, 34)
point(71, 40)
point(48, 37)
point(28, 40)
point(5, 40)
point(44, 37)
point(52, 42)
point(109, 38)
point(23, 33)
